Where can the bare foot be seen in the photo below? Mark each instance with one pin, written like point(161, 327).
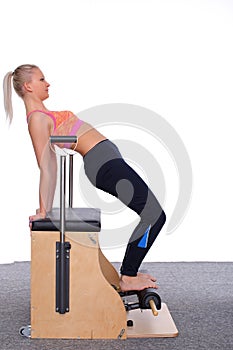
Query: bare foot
point(139, 282)
point(147, 276)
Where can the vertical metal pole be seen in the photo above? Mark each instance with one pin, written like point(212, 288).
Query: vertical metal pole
point(63, 247)
point(62, 235)
point(71, 180)
point(62, 197)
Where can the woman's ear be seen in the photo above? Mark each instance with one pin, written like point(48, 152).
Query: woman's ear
point(27, 87)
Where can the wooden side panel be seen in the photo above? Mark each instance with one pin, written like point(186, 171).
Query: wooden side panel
point(96, 309)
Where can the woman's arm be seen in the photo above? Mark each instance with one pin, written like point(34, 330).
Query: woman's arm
point(40, 129)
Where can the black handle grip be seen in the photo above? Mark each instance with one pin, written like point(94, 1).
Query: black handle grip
point(63, 139)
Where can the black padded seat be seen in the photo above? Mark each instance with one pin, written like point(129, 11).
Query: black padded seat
point(77, 220)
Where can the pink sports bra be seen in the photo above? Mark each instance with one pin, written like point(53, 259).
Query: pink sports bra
point(65, 122)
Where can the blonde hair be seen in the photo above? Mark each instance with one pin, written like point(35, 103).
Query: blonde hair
point(21, 75)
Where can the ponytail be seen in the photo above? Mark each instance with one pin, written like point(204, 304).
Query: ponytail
point(7, 91)
point(20, 75)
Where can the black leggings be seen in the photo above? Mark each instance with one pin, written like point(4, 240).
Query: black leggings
point(107, 170)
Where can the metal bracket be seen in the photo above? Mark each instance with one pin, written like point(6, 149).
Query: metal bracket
point(146, 299)
point(62, 276)
point(25, 331)
point(121, 333)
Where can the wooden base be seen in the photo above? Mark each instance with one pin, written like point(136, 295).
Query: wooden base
point(146, 325)
point(96, 309)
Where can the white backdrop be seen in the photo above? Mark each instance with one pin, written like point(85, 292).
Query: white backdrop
point(172, 57)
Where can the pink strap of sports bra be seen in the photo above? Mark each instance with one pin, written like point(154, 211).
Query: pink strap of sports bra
point(44, 112)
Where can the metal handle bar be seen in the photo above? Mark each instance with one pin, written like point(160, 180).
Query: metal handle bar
point(63, 139)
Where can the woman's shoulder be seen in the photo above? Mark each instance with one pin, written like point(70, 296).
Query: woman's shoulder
point(38, 118)
point(36, 113)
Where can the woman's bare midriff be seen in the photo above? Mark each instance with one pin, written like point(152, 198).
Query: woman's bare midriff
point(88, 137)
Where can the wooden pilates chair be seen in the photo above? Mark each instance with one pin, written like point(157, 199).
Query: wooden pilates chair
point(75, 290)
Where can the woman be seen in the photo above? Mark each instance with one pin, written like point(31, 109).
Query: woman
point(103, 165)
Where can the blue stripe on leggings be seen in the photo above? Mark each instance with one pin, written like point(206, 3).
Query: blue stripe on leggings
point(143, 242)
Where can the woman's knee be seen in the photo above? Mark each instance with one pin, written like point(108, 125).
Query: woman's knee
point(152, 211)
point(162, 217)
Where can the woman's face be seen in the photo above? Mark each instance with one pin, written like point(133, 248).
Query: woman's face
point(38, 85)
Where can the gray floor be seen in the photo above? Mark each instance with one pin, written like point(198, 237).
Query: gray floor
point(199, 296)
